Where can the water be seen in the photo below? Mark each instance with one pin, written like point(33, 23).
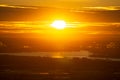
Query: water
point(74, 54)
point(82, 53)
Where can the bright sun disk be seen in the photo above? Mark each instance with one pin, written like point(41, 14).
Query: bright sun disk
point(59, 24)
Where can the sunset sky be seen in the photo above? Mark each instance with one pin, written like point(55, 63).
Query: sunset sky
point(97, 11)
point(63, 3)
point(58, 21)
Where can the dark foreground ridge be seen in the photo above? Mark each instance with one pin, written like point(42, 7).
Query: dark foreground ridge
point(46, 68)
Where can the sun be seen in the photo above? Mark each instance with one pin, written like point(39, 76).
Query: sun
point(59, 24)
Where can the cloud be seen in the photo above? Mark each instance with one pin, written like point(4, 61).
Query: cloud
point(85, 14)
point(103, 8)
point(10, 6)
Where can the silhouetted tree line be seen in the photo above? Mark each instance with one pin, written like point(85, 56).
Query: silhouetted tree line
point(99, 47)
point(39, 68)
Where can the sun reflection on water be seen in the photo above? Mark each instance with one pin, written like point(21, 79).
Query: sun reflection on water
point(57, 55)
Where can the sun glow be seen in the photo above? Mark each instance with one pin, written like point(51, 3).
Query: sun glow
point(57, 55)
point(59, 24)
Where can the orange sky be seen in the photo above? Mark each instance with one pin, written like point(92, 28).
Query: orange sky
point(63, 3)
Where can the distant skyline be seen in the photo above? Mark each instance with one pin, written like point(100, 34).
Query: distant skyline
point(62, 3)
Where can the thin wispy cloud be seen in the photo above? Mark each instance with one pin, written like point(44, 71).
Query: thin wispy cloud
point(103, 8)
point(85, 14)
point(13, 6)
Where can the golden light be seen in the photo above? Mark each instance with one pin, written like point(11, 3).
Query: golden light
point(59, 24)
point(57, 55)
